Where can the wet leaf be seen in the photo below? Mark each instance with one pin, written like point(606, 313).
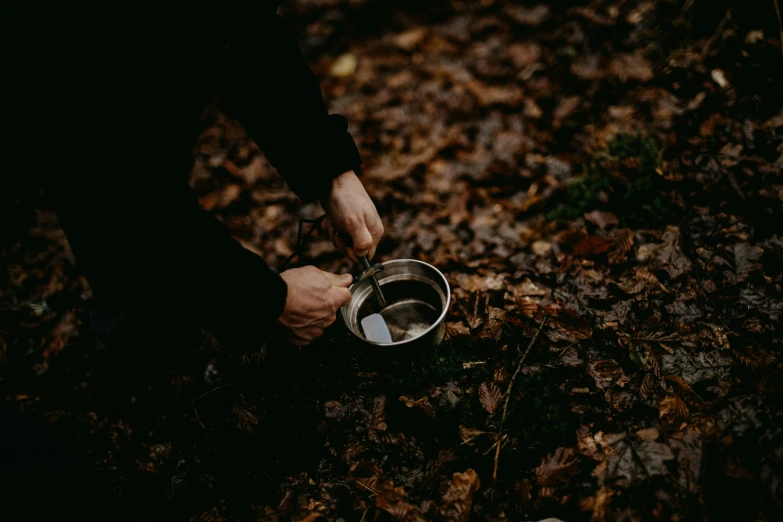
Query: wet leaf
point(637, 461)
point(556, 468)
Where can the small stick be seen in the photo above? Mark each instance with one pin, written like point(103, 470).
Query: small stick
point(712, 38)
point(508, 396)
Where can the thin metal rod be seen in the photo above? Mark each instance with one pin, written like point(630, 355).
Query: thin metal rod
point(375, 285)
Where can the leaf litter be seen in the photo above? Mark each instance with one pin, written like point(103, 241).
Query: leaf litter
point(614, 167)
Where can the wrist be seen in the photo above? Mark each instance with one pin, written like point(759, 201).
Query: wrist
point(338, 183)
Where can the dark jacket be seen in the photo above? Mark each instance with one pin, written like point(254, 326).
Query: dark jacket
point(107, 103)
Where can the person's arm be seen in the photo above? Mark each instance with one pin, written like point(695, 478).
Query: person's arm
point(268, 87)
point(145, 244)
point(281, 106)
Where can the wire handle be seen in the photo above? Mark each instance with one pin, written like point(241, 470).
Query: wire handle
point(300, 238)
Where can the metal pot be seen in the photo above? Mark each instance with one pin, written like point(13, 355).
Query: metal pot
point(417, 296)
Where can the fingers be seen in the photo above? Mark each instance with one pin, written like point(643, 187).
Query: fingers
point(344, 296)
point(375, 227)
point(362, 240)
point(342, 280)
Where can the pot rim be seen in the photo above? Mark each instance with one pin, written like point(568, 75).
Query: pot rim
point(432, 327)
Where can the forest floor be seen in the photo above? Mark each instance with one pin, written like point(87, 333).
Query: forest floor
point(607, 172)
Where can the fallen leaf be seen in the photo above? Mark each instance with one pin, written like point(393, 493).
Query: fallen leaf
point(489, 396)
point(527, 15)
point(719, 77)
point(557, 467)
point(633, 462)
point(622, 241)
point(631, 67)
point(344, 66)
point(602, 219)
point(673, 411)
point(458, 500)
point(423, 403)
point(410, 39)
point(592, 246)
point(606, 373)
point(454, 329)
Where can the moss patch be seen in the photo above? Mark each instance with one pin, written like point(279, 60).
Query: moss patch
point(624, 180)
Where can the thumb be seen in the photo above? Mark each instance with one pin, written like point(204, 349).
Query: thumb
point(341, 280)
point(362, 241)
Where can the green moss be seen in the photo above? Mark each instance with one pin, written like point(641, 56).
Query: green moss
point(623, 179)
point(636, 145)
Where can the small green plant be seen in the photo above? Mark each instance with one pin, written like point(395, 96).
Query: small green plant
point(624, 180)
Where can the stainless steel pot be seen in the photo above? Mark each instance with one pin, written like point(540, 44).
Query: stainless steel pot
point(417, 296)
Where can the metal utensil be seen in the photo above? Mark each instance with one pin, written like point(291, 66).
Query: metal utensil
point(369, 272)
point(417, 299)
point(375, 329)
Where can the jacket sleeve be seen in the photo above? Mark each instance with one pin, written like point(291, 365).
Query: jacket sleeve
point(145, 245)
point(268, 87)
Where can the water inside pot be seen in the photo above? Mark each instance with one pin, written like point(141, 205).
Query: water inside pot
point(413, 307)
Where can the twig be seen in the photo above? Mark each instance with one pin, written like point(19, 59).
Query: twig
point(210, 391)
point(193, 402)
point(712, 38)
point(780, 23)
point(508, 396)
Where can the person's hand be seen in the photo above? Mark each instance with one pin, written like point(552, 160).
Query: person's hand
point(352, 221)
point(313, 298)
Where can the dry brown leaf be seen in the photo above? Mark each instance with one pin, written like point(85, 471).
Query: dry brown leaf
point(606, 373)
point(344, 66)
point(467, 434)
point(598, 504)
point(592, 246)
point(500, 374)
point(490, 395)
point(455, 329)
point(737, 468)
point(631, 67)
point(410, 39)
point(524, 491)
point(488, 95)
point(646, 387)
point(622, 241)
point(476, 310)
point(493, 328)
point(564, 109)
point(379, 413)
point(423, 403)
point(673, 411)
point(602, 219)
point(527, 15)
point(556, 468)
point(458, 500)
point(394, 504)
point(528, 307)
point(246, 418)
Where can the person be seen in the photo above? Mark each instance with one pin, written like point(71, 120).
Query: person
point(108, 105)
point(103, 105)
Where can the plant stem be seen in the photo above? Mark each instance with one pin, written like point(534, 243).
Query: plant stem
point(508, 396)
